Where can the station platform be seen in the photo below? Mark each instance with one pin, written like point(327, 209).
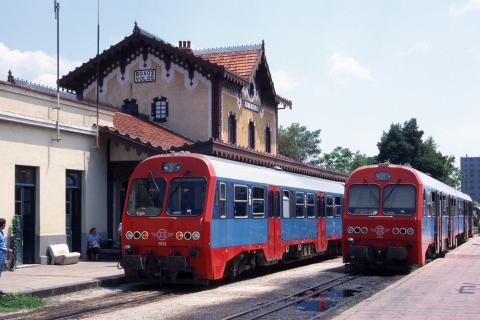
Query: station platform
point(447, 288)
point(49, 280)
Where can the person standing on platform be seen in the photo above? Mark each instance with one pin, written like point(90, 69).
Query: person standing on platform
point(93, 244)
point(3, 246)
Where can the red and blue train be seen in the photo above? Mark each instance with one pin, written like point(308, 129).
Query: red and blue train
point(195, 218)
point(396, 216)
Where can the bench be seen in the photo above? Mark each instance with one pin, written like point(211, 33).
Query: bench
point(107, 251)
point(61, 255)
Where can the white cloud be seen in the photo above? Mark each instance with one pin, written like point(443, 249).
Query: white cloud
point(458, 9)
point(284, 82)
point(342, 67)
point(419, 46)
point(34, 66)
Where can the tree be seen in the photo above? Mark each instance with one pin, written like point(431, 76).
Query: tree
point(298, 143)
point(403, 144)
point(400, 144)
point(344, 160)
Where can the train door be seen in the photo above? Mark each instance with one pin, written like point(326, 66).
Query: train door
point(437, 215)
point(274, 225)
point(329, 219)
point(321, 229)
point(451, 222)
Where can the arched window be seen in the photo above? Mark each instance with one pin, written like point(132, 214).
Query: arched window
point(159, 109)
point(268, 140)
point(251, 135)
point(232, 128)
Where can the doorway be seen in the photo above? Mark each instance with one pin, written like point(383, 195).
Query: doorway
point(25, 211)
point(73, 210)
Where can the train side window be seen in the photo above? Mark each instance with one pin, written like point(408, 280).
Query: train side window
point(321, 206)
point(258, 197)
point(271, 205)
point(310, 205)
point(277, 204)
point(338, 206)
point(433, 197)
point(286, 204)
point(240, 200)
point(299, 204)
point(222, 200)
point(329, 206)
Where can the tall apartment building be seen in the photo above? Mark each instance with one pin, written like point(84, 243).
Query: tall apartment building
point(470, 167)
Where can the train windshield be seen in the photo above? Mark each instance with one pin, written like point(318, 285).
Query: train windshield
point(399, 199)
point(363, 199)
point(146, 197)
point(186, 196)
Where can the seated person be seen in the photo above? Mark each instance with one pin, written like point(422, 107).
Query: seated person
point(93, 244)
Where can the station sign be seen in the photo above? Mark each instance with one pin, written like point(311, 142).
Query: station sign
point(251, 106)
point(142, 76)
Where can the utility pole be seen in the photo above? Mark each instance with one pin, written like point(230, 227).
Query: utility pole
point(56, 8)
point(98, 70)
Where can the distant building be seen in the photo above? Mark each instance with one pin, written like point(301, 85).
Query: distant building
point(470, 167)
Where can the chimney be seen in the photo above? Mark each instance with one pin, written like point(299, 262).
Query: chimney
point(185, 46)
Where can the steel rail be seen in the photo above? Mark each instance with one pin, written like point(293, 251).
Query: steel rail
point(318, 288)
point(104, 304)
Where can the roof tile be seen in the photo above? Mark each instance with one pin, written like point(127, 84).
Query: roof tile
point(241, 63)
point(147, 132)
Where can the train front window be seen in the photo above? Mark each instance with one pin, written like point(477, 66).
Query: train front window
point(146, 197)
point(363, 199)
point(186, 196)
point(399, 199)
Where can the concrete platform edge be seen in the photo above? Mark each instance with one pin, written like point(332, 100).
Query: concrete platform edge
point(74, 287)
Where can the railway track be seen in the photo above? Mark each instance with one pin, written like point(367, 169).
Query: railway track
point(108, 303)
point(271, 308)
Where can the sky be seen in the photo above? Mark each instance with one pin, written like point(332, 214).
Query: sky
point(351, 68)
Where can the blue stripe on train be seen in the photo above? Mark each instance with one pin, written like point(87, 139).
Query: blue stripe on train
point(234, 232)
point(296, 229)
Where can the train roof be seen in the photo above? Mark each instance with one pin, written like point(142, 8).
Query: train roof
point(248, 172)
point(440, 186)
point(426, 180)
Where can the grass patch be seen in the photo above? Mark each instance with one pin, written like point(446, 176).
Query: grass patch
point(12, 302)
point(414, 267)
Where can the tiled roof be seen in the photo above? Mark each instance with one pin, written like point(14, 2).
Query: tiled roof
point(239, 60)
point(147, 133)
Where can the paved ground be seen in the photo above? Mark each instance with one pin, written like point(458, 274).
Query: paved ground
point(447, 288)
point(229, 298)
point(44, 278)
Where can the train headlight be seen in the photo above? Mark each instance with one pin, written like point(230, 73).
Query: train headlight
point(136, 235)
point(129, 235)
point(171, 166)
point(403, 231)
point(410, 231)
point(195, 235)
point(364, 230)
point(128, 250)
point(395, 231)
point(350, 230)
point(357, 230)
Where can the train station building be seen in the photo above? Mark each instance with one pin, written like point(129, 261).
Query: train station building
point(154, 98)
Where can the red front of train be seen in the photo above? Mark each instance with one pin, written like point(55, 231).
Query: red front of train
point(165, 229)
point(382, 217)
